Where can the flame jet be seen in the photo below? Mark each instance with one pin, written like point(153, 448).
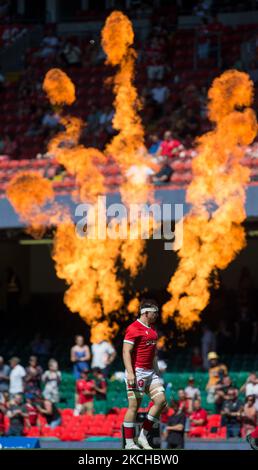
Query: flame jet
point(127, 147)
point(213, 234)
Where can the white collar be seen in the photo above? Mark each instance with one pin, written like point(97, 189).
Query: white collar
point(142, 323)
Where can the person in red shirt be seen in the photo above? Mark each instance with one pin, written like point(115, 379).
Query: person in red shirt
point(169, 146)
point(85, 391)
point(31, 409)
point(142, 374)
point(199, 415)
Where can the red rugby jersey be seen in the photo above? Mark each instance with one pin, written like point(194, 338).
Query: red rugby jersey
point(144, 338)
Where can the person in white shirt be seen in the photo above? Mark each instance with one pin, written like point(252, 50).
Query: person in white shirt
point(250, 387)
point(103, 354)
point(17, 374)
point(192, 393)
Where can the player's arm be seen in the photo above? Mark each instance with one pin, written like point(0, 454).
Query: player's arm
point(127, 358)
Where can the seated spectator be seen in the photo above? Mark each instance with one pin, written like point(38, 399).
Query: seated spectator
point(231, 412)
point(198, 417)
point(17, 376)
point(249, 416)
point(250, 387)
point(192, 393)
point(165, 172)
point(33, 376)
point(85, 392)
point(159, 93)
point(80, 356)
point(175, 428)
point(51, 379)
point(100, 384)
point(196, 359)
point(217, 372)
point(49, 410)
point(4, 377)
point(49, 45)
point(17, 415)
point(71, 54)
point(155, 143)
point(50, 120)
point(31, 410)
point(169, 146)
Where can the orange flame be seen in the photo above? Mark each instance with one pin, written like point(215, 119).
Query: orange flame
point(59, 88)
point(127, 147)
point(29, 193)
point(214, 236)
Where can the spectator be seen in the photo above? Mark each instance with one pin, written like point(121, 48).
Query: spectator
point(192, 393)
point(199, 415)
point(250, 387)
point(250, 415)
point(169, 146)
point(33, 376)
point(4, 377)
point(50, 120)
point(31, 410)
point(183, 402)
point(139, 174)
point(71, 54)
point(165, 172)
point(51, 379)
point(17, 376)
point(159, 93)
point(103, 354)
point(80, 356)
point(208, 342)
point(155, 143)
point(17, 415)
point(221, 392)
point(217, 372)
point(85, 392)
point(196, 359)
point(49, 410)
point(231, 412)
point(175, 428)
point(100, 384)
point(49, 45)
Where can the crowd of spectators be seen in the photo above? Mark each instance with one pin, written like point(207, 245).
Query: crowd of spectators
point(29, 393)
point(235, 408)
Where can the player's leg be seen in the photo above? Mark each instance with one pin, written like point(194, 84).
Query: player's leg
point(134, 401)
point(157, 396)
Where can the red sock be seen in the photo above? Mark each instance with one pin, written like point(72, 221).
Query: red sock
point(254, 434)
point(129, 430)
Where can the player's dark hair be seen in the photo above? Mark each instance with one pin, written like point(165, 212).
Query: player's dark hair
point(147, 303)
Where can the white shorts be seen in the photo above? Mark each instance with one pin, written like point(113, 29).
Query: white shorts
point(144, 379)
